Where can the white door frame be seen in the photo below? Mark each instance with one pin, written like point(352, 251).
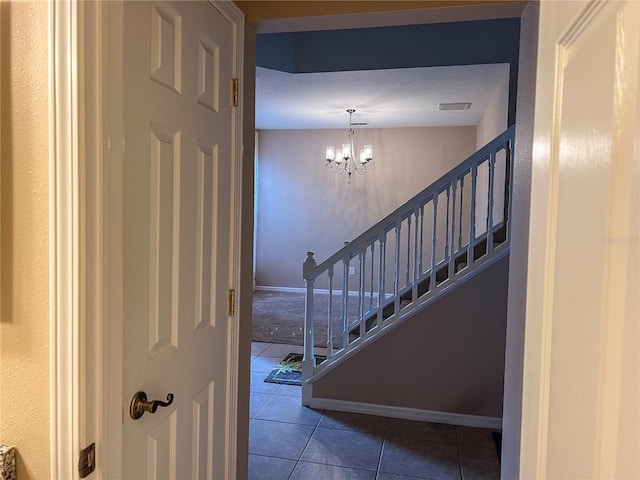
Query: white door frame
point(85, 236)
point(570, 21)
point(63, 239)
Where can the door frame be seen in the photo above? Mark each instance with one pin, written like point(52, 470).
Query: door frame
point(85, 167)
point(63, 239)
point(555, 41)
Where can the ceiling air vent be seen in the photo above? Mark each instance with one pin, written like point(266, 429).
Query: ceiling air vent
point(454, 106)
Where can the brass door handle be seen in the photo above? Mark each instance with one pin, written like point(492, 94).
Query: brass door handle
point(139, 404)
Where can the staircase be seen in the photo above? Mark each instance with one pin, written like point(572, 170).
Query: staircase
point(446, 234)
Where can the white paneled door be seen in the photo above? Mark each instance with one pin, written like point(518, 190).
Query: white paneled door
point(582, 366)
point(177, 244)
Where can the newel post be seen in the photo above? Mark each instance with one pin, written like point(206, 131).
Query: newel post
point(309, 359)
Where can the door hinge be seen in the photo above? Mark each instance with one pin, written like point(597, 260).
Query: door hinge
point(234, 92)
point(231, 302)
point(87, 461)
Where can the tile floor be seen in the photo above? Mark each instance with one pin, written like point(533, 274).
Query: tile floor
point(289, 441)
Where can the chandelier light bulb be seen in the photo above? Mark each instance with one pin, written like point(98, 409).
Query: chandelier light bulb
point(341, 160)
point(366, 154)
point(346, 151)
point(331, 154)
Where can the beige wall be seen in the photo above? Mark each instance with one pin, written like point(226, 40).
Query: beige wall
point(304, 208)
point(494, 120)
point(492, 124)
point(447, 358)
point(24, 325)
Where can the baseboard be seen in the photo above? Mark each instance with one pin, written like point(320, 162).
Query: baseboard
point(268, 288)
point(407, 413)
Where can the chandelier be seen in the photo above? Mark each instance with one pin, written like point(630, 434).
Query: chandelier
point(343, 160)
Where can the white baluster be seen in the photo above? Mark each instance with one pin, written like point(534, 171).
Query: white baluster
point(492, 166)
point(309, 359)
point(452, 244)
point(447, 253)
point(421, 266)
point(345, 302)
point(461, 209)
point(373, 251)
point(407, 279)
point(472, 215)
point(381, 277)
point(396, 288)
point(508, 188)
point(434, 240)
point(416, 271)
point(361, 317)
point(330, 315)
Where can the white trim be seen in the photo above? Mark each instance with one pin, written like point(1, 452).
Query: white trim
point(407, 413)
point(256, 199)
point(302, 290)
point(64, 240)
point(111, 361)
point(93, 207)
point(236, 18)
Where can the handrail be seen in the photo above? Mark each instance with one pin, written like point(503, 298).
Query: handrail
point(405, 208)
point(434, 238)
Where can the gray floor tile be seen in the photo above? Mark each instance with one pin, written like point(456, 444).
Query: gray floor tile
point(284, 408)
point(278, 350)
point(316, 471)
point(354, 421)
point(393, 476)
point(264, 364)
point(424, 431)
point(289, 441)
point(277, 439)
point(256, 402)
point(479, 462)
point(269, 468)
point(258, 384)
point(475, 436)
point(344, 448)
point(290, 390)
point(421, 459)
point(258, 347)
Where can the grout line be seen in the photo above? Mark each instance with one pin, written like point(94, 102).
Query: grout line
point(306, 444)
point(459, 454)
point(317, 426)
point(384, 442)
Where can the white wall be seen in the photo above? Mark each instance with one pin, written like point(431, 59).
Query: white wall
point(304, 208)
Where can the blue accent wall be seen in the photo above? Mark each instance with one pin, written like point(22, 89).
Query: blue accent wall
point(409, 46)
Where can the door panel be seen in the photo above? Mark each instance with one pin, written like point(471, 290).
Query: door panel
point(177, 206)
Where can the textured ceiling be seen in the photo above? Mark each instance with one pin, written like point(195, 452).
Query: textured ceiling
point(390, 98)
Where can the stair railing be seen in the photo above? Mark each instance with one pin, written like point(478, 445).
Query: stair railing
point(411, 255)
